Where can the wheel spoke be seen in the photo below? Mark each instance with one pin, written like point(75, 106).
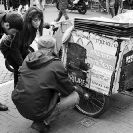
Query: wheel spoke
point(101, 103)
point(94, 105)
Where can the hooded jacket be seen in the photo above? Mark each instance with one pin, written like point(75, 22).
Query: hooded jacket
point(41, 76)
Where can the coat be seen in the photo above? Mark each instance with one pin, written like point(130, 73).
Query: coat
point(42, 76)
point(63, 4)
point(16, 53)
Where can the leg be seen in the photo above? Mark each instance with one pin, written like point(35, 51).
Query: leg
point(59, 16)
point(19, 9)
point(8, 4)
point(15, 77)
point(5, 4)
point(112, 11)
point(65, 14)
point(112, 7)
point(66, 103)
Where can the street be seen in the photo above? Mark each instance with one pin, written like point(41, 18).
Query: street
point(117, 119)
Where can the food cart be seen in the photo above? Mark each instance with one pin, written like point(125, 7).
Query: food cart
point(99, 57)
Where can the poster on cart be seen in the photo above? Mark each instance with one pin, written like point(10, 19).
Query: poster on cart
point(101, 56)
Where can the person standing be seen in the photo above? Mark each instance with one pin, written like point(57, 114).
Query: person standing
point(7, 4)
point(23, 4)
point(62, 6)
point(114, 7)
point(10, 24)
point(40, 4)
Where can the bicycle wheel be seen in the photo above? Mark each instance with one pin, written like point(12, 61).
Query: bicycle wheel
point(93, 104)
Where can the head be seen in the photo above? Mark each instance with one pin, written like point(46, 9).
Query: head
point(33, 19)
point(12, 23)
point(46, 42)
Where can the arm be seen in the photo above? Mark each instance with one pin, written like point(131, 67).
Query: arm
point(65, 85)
point(15, 50)
point(46, 25)
point(5, 43)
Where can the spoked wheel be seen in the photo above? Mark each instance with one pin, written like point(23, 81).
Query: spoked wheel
point(82, 8)
point(93, 104)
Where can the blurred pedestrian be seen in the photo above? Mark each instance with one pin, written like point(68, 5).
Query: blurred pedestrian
point(6, 4)
point(15, 4)
point(10, 24)
point(62, 6)
point(40, 4)
point(44, 90)
point(23, 4)
point(114, 7)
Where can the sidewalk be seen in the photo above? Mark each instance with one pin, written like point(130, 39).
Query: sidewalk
point(117, 119)
point(5, 75)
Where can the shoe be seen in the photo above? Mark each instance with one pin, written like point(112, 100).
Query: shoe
point(40, 126)
point(3, 107)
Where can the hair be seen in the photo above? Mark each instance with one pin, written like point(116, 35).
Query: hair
point(29, 32)
point(15, 21)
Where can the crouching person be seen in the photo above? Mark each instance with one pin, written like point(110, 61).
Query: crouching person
point(43, 90)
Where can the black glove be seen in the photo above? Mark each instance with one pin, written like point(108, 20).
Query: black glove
point(79, 89)
point(46, 25)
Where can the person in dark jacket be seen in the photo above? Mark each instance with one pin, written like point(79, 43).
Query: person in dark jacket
point(10, 24)
point(19, 48)
point(43, 82)
point(62, 6)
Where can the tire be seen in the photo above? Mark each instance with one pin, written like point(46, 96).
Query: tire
point(57, 5)
point(93, 104)
point(82, 9)
point(9, 67)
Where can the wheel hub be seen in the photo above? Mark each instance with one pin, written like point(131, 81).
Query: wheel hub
point(86, 96)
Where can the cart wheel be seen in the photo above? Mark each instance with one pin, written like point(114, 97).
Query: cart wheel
point(93, 104)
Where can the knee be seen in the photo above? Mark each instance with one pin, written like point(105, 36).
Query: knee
point(76, 97)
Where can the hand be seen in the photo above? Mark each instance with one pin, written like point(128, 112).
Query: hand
point(78, 89)
point(6, 39)
point(19, 68)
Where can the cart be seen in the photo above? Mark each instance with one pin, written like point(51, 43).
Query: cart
point(98, 56)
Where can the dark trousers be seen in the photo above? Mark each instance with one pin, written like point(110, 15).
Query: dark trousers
point(16, 74)
point(62, 12)
point(15, 4)
point(12, 62)
point(7, 4)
